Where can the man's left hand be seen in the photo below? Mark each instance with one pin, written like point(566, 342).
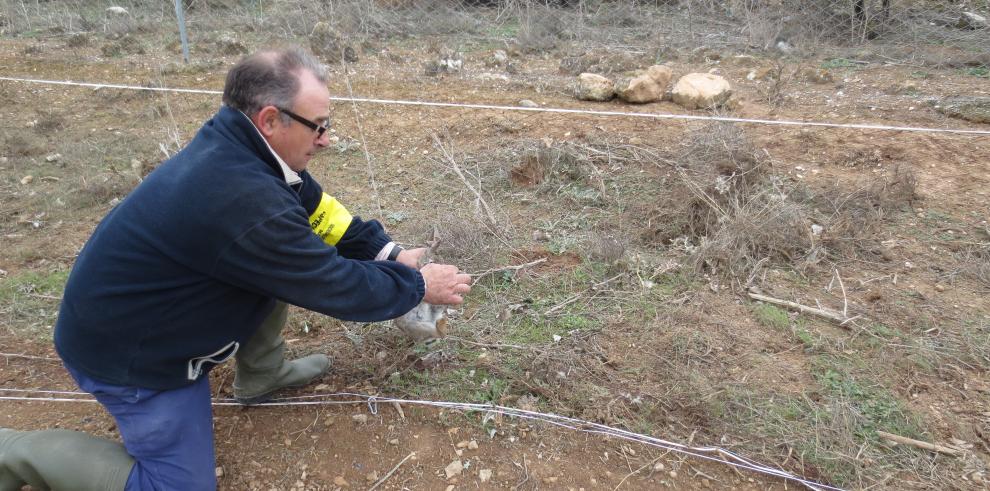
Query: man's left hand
point(413, 258)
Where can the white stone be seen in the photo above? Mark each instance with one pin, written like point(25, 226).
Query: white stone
point(454, 469)
point(594, 87)
point(645, 85)
point(969, 20)
point(701, 91)
point(117, 10)
point(484, 475)
point(528, 103)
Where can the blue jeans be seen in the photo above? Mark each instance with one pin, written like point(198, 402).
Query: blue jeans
point(169, 433)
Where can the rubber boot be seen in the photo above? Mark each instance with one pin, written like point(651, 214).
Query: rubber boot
point(61, 460)
point(261, 366)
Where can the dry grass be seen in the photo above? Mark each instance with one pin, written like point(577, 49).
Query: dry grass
point(732, 213)
point(540, 30)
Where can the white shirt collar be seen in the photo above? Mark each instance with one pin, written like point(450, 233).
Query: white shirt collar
point(291, 176)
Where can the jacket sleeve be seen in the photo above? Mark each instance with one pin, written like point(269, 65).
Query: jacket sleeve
point(353, 237)
point(281, 257)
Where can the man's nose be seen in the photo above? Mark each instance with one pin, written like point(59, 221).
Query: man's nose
point(323, 140)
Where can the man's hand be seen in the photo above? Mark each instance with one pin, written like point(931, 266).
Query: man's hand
point(444, 285)
point(413, 258)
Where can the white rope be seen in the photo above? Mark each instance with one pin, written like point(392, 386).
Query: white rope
point(729, 458)
point(688, 117)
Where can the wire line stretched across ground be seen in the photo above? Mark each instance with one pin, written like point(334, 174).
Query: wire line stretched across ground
point(688, 117)
point(347, 398)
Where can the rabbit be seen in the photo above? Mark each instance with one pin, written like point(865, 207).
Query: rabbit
point(426, 322)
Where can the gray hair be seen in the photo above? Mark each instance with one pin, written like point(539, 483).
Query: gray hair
point(269, 78)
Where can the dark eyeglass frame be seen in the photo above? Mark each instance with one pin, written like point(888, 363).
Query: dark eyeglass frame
point(320, 129)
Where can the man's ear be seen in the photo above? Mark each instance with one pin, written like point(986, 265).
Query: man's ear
point(267, 120)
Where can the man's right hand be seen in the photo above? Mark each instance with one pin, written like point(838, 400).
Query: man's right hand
point(444, 284)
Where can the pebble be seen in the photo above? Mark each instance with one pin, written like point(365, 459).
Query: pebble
point(673, 474)
point(484, 475)
point(53, 157)
point(528, 103)
point(27, 180)
point(940, 288)
point(450, 488)
point(340, 481)
point(658, 466)
point(394, 441)
point(219, 472)
point(454, 469)
point(372, 476)
point(472, 445)
point(550, 480)
point(360, 418)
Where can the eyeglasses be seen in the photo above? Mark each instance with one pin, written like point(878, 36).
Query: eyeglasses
point(320, 129)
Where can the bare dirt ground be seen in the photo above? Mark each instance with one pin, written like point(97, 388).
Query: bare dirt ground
point(631, 320)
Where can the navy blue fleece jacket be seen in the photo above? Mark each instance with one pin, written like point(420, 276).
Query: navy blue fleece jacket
point(194, 258)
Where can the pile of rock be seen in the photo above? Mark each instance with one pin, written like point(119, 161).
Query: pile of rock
point(693, 91)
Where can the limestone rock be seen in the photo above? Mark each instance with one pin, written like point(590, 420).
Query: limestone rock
point(975, 109)
point(484, 475)
point(701, 91)
point(454, 469)
point(600, 61)
point(228, 44)
point(644, 85)
point(594, 87)
point(326, 43)
point(969, 20)
point(816, 75)
point(499, 58)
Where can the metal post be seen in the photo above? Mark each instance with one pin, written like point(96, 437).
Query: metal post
point(182, 30)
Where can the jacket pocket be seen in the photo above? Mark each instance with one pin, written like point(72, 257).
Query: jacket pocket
point(194, 367)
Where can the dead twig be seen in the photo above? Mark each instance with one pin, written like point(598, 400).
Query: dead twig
point(482, 274)
point(491, 345)
point(449, 157)
point(28, 357)
point(364, 141)
point(525, 467)
point(389, 473)
point(575, 297)
point(955, 452)
point(824, 313)
point(648, 464)
point(398, 409)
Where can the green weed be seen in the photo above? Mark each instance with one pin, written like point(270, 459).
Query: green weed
point(876, 408)
point(833, 63)
point(772, 316)
point(462, 384)
point(982, 72)
point(33, 298)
